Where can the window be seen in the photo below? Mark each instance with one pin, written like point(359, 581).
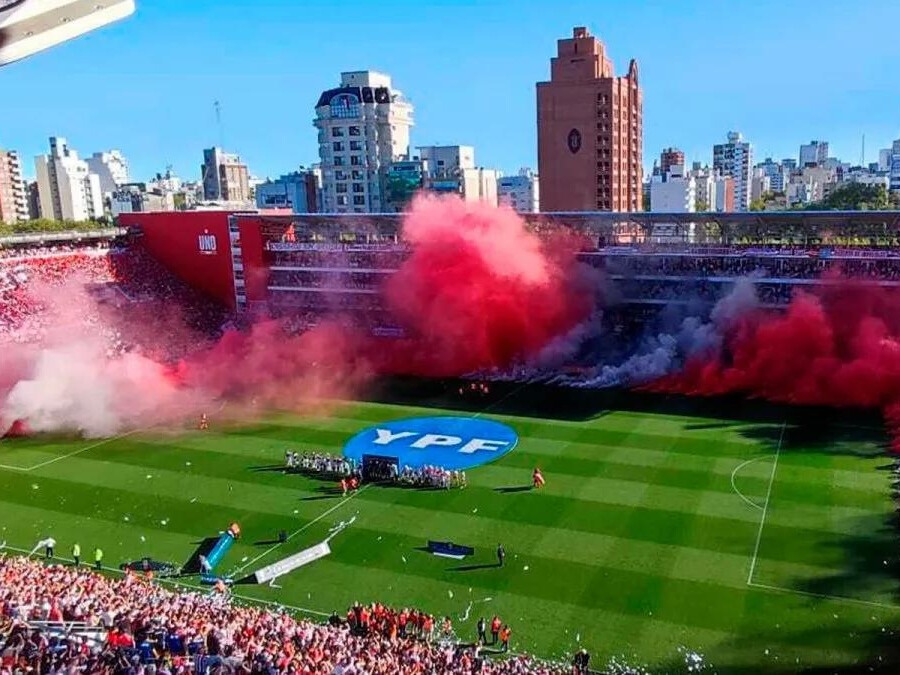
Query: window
point(337, 132)
point(339, 161)
point(359, 187)
point(355, 160)
point(337, 146)
point(354, 131)
point(359, 200)
point(358, 175)
point(341, 175)
point(340, 187)
point(342, 200)
point(355, 145)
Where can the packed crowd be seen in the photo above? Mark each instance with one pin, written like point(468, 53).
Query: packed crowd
point(432, 477)
point(389, 257)
point(117, 286)
point(781, 265)
point(150, 630)
point(319, 463)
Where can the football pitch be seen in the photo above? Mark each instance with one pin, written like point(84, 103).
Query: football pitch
point(767, 543)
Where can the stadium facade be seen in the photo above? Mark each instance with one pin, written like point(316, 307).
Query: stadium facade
point(320, 263)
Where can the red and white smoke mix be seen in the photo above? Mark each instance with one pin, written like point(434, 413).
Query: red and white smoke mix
point(478, 291)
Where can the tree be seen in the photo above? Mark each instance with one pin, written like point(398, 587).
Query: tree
point(701, 206)
point(46, 225)
point(854, 197)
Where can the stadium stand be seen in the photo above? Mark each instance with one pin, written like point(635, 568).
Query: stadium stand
point(120, 277)
point(130, 625)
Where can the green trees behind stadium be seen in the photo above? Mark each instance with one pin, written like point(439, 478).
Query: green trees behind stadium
point(46, 225)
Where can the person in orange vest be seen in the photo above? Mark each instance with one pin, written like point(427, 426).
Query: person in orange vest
point(204, 422)
point(504, 638)
point(537, 478)
point(495, 629)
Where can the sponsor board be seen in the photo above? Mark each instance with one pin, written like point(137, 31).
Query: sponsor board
point(454, 443)
point(291, 563)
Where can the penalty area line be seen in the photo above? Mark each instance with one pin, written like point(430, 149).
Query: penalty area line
point(823, 596)
point(765, 510)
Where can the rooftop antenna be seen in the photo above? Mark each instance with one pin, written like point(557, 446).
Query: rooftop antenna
point(218, 108)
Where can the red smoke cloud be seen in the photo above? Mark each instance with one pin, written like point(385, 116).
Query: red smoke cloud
point(837, 347)
point(479, 290)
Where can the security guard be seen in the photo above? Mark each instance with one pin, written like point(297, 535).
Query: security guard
point(76, 553)
point(98, 558)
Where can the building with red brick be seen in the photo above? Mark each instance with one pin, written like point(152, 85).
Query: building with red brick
point(590, 130)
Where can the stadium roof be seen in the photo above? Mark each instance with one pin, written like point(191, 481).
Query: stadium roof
point(707, 227)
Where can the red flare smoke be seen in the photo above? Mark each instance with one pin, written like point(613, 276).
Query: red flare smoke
point(479, 290)
point(838, 347)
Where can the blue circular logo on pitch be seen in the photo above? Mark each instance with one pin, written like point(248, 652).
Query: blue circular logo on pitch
point(453, 443)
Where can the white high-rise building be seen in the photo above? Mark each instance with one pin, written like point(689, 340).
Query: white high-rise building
point(673, 191)
point(733, 160)
point(884, 159)
point(776, 172)
point(364, 126)
point(521, 192)
point(894, 170)
point(111, 168)
point(67, 189)
point(13, 194)
point(813, 153)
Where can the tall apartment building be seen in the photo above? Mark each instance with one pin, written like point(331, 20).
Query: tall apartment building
point(364, 126)
point(451, 169)
point(520, 192)
point(13, 194)
point(894, 171)
point(668, 158)
point(733, 160)
point(776, 172)
point(67, 189)
point(111, 168)
point(225, 177)
point(297, 191)
point(590, 130)
point(674, 191)
point(814, 153)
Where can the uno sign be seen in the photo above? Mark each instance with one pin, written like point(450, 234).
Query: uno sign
point(450, 442)
point(207, 243)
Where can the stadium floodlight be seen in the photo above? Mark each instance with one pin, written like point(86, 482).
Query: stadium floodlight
point(31, 26)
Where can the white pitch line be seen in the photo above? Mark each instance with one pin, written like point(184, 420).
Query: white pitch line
point(41, 465)
point(78, 452)
point(823, 596)
point(734, 487)
point(762, 521)
point(302, 529)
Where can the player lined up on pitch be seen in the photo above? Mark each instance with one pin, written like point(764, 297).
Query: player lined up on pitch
point(318, 463)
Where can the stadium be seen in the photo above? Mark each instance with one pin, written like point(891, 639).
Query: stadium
point(319, 444)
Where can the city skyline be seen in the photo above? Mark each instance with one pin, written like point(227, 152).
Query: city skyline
point(167, 114)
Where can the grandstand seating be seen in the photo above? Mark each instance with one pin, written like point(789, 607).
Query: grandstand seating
point(65, 619)
point(117, 274)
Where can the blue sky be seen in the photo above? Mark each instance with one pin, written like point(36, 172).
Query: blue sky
point(780, 72)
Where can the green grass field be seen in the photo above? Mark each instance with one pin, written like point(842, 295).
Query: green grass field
point(767, 545)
